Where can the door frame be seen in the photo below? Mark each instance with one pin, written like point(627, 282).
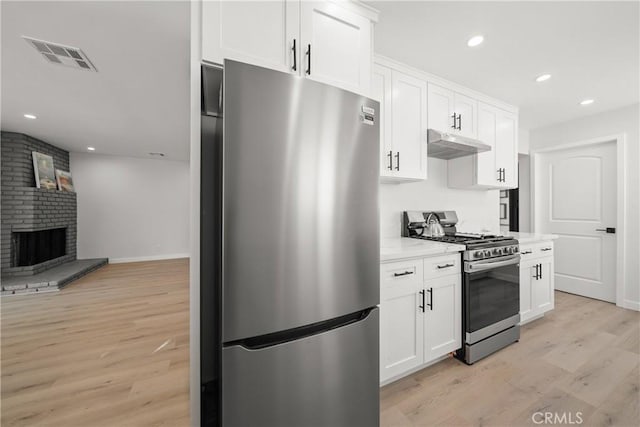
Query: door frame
point(620, 141)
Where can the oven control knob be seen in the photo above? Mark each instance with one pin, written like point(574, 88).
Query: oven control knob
point(477, 254)
point(497, 251)
point(487, 253)
point(508, 250)
point(515, 249)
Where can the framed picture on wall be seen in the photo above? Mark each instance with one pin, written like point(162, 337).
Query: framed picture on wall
point(43, 171)
point(65, 182)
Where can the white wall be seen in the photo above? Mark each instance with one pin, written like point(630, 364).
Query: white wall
point(625, 120)
point(524, 137)
point(477, 210)
point(131, 209)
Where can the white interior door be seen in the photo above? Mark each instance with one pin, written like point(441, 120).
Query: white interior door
point(575, 196)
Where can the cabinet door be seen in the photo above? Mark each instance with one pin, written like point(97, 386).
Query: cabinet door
point(543, 298)
point(467, 110)
point(340, 43)
point(440, 108)
point(527, 273)
point(256, 32)
point(381, 90)
point(507, 147)
point(409, 126)
point(401, 328)
point(443, 319)
point(486, 170)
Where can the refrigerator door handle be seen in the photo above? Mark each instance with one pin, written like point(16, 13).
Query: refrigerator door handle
point(269, 340)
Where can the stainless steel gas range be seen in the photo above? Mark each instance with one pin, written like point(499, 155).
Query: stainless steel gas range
point(490, 282)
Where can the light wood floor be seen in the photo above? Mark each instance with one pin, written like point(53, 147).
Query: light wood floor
point(583, 356)
point(111, 349)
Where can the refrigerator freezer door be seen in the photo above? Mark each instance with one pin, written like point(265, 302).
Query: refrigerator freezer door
point(301, 234)
point(329, 379)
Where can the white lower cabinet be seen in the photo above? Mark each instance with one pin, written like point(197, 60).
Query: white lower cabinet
point(536, 281)
point(420, 315)
point(443, 316)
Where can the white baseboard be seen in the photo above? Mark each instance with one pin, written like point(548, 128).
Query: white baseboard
point(147, 258)
point(631, 305)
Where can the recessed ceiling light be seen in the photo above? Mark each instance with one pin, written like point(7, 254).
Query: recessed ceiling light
point(543, 77)
point(586, 102)
point(156, 154)
point(29, 116)
point(475, 41)
point(91, 148)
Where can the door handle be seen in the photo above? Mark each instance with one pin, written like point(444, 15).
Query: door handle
point(308, 59)
point(430, 305)
point(422, 306)
point(295, 54)
point(398, 161)
point(609, 230)
point(406, 273)
point(390, 160)
point(445, 266)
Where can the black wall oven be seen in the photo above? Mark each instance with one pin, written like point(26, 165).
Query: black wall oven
point(491, 306)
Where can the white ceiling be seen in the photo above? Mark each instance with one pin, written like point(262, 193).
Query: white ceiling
point(591, 49)
point(137, 102)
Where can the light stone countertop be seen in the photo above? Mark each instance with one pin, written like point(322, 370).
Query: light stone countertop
point(524, 238)
point(394, 249)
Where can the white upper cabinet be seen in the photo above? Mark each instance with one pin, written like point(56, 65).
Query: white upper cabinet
point(452, 112)
point(497, 168)
point(336, 45)
point(466, 110)
point(327, 41)
point(403, 124)
point(257, 32)
point(409, 126)
point(381, 91)
point(441, 108)
point(507, 148)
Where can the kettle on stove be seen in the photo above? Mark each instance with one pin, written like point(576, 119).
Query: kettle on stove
point(433, 227)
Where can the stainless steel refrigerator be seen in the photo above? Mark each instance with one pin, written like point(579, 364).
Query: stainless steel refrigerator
point(289, 251)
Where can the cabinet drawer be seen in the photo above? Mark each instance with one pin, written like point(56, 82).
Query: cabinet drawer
point(441, 266)
point(536, 250)
point(401, 272)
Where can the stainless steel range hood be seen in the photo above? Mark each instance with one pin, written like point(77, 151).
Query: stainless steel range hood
point(449, 146)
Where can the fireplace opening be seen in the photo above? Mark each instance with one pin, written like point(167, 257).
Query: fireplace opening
point(34, 247)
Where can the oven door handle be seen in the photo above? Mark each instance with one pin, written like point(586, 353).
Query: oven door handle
point(477, 266)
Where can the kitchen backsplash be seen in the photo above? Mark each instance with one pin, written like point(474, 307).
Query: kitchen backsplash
point(478, 210)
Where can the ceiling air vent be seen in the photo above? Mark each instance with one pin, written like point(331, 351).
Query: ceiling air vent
point(61, 54)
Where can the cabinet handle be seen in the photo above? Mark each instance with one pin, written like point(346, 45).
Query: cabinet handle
point(446, 266)
point(422, 306)
point(454, 121)
point(295, 55)
point(504, 173)
point(308, 59)
point(545, 249)
point(540, 270)
point(406, 273)
point(398, 161)
point(459, 121)
point(390, 160)
point(499, 174)
point(526, 253)
point(430, 305)
point(536, 275)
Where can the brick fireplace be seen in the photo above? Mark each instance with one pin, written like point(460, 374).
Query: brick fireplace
point(38, 226)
